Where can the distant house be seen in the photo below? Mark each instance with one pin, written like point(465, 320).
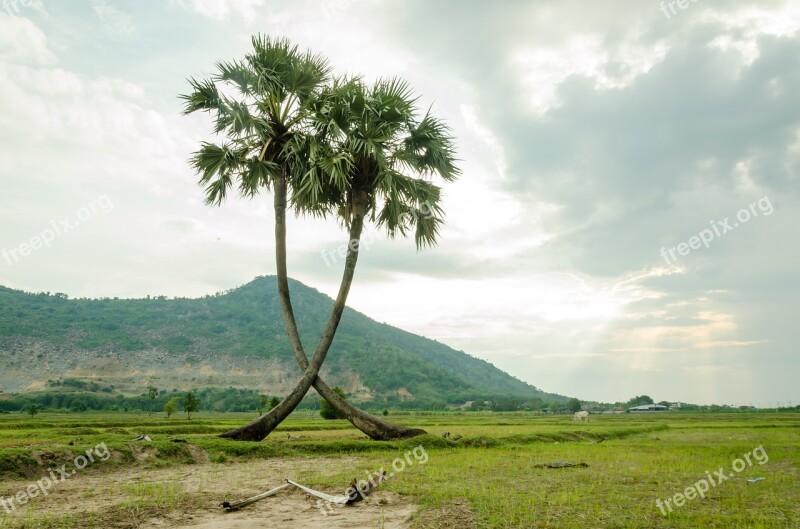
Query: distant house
point(649, 407)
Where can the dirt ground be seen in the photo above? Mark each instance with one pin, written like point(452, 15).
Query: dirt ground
point(189, 497)
point(292, 509)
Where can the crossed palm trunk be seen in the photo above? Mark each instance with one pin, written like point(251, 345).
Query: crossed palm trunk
point(372, 426)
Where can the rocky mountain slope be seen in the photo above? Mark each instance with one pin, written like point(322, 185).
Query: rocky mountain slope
point(233, 339)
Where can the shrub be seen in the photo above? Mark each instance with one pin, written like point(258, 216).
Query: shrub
point(327, 411)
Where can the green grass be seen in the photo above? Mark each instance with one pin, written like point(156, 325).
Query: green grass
point(641, 458)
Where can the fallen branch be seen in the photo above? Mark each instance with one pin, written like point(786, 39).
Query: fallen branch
point(235, 506)
point(354, 494)
point(339, 500)
point(560, 464)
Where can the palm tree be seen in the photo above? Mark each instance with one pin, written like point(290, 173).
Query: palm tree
point(368, 155)
point(276, 84)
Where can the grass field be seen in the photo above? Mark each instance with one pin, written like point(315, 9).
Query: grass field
point(489, 478)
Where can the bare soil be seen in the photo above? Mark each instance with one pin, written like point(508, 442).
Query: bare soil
point(189, 496)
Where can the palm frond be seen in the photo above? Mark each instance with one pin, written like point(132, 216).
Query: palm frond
point(217, 189)
point(214, 160)
point(239, 74)
point(427, 232)
point(204, 96)
point(255, 175)
point(309, 72)
point(235, 118)
point(429, 149)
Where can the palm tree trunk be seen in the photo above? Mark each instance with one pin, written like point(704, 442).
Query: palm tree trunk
point(262, 427)
point(373, 427)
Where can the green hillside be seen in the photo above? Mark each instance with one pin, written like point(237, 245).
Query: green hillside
point(242, 324)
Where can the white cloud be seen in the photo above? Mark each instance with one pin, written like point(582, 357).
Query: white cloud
point(222, 9)
point(473, 124)
point(358, 46)
point(747, 24)
point(544, 68)
point(21, 42)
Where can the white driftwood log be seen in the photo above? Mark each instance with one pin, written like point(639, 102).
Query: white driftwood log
point(339, 500)
point(235, 506)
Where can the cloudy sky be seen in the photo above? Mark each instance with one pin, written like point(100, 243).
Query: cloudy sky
point(625, 222)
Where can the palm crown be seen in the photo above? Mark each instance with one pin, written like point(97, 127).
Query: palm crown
point(275, 84)
point(367, 142)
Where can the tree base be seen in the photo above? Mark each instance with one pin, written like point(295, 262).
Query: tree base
point(255, 432)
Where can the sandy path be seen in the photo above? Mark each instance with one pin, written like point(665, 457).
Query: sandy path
point(208, 485)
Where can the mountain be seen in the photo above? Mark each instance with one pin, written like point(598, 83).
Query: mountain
point(234, 339)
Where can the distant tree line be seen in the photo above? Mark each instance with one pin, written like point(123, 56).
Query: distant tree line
point(239, 400)
point(72, 395)
point(208, 399)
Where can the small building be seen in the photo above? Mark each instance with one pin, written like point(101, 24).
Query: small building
point(648, 407)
